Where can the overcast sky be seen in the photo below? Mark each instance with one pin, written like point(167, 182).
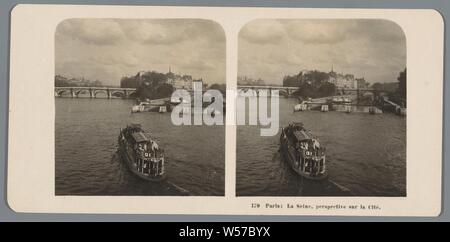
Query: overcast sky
point(271, 49)
point(108, 49)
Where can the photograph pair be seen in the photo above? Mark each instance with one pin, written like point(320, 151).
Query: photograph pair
point(141, 108)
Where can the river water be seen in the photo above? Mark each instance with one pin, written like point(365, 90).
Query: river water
point(366, 154)
point(86, 156)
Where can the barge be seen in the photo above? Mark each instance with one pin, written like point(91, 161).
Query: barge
point(141, 153)
point(303, 152)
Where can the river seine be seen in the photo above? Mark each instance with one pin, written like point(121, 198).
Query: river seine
point(87, 162)
point(366, 156)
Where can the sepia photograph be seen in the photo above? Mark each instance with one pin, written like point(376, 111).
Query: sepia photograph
point(225, 111)
point(116, 85)
point(338, 87)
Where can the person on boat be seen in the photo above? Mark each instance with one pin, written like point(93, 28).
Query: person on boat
point(316, 144)
point(155, 147)
point(306, 146)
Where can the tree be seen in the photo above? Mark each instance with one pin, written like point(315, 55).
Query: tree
point(316, 77)
point(153, 78)
point(311, 84)
point(402, 84)
point(165, 90)
point(61, 81)
point(145, 91)
point(377, 86)
point(305, 90)
point(151, 85)
point(291, 81)
point(129, 82)
point(326, 89)
point(220, 87)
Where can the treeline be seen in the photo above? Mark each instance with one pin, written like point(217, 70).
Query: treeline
point(220, 87)
point(396, 91)
point(137, 80)
point(388, 87)
point(312, 84)
point(402, 84)
point(150, 85)
point(62, 81)
point(246, 81)
point(400, 94)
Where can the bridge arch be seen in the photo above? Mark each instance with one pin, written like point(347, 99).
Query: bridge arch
point(63, 93)
point(83, 91)
point(101, 91)
point(284, 93)
point(131, 94)
point(118, 93)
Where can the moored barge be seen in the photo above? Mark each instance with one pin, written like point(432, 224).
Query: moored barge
point(141, 153)
point(303, 152)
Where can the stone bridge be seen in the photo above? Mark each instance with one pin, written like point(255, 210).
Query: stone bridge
point(109, 92)
point(283, 91)
point(288, 91)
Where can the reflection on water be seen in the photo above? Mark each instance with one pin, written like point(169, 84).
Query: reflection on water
point(87, 162)
point(366, 156)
